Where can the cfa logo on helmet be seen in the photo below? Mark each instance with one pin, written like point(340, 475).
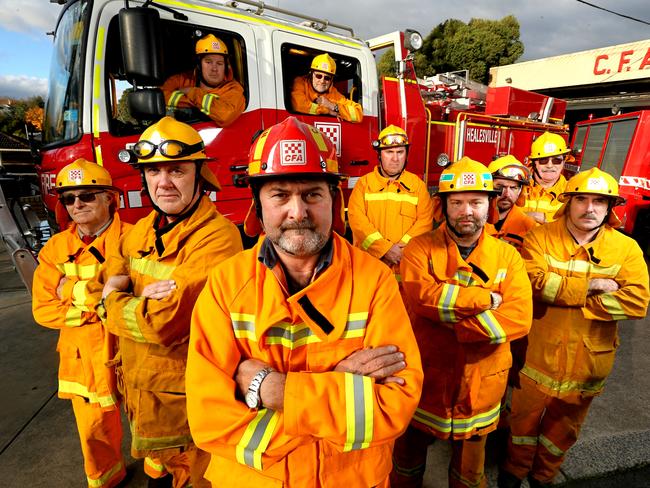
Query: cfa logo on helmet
point(292, 152)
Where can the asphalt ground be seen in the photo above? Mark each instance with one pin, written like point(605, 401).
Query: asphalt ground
point(39, 445)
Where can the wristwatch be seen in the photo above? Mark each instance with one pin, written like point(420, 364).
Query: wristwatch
point(336, 108)
point(253, 398)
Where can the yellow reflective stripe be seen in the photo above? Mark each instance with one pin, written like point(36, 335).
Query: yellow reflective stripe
point(174, 98)
point(313, 108)
point(78, 389)
point(256, 439)
point(159, 467)
point(501, 275)
point(72, 317)
point(464, 277)
point(83, 271)
point(154, 269)
point(353, 114)
point(318, 138)
point(206, 103)
point(551, 287)
point(438, 423)
point(580, 266)
point(562, 386)
point(447, 302)
point(370, 240)
point(359, 417)
point(355, 326)
point(524, 440)
point(99, 482)
point(131, 320)
point(477, 421)
point(259, 147)
point(290, 336)
point(406, 238)
point(396, 197)
point(243, 325)
point(613, 306)
point(155, 443)
point(79, 295)
point(492, 327)
point(550, 447)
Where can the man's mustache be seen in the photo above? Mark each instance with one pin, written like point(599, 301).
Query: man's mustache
point(303, 224)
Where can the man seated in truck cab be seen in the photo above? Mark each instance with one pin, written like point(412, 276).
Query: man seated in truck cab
point(315, 94)
point(210, 87)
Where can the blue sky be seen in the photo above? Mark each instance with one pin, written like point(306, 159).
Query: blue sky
point(547, 28)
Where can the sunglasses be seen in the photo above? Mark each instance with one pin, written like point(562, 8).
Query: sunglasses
point(169, 148)
point(555, 161)
point(320, 76)
point(88, 197)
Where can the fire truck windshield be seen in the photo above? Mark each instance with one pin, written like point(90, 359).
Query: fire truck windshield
point(63, 109)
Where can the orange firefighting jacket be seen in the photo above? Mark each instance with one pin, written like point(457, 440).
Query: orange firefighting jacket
point(337, 428)
point(464, 344)
point(574, 335)
point(83, 347)
point(222, 104)
point(514, 228)
point(539, 199)
point(153, 334)
point(303, 96)
point(382, 212)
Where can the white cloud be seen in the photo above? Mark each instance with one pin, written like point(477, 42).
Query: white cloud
point(19, 86)
point(33, 17)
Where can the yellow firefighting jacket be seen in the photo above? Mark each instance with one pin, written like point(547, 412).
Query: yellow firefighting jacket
point(514, 228)
point(382, 212)
point(222, 104)
point(464, 343)
point(539, 199)
point(336, 428)
point(574, 335)
point(83, 347)
point(153, 334)
point(303, 96)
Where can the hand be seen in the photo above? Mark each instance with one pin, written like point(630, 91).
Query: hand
point(393, 255)
point(602, 285)
point(380, 363)
point(325, 102)
point(272, 389)
point(158, 289)
point(496, 299)
point(59, 288)
point(116, 283)
point(539, 217)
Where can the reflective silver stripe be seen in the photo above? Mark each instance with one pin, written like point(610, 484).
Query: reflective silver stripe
point(174, 98)
point(478, 421)
point(243, 325)
point(207, 102)
point(524, 440)
point(256, 439)
point(358, 412)
point(464, 277)
point(356, 325)
point(501, 275)
point(290, 335)
point(550, 447)
point(73, 388)
point(447, 302)
point(433, 421)
point(492, 327)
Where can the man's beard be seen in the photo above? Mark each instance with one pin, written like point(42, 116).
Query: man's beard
point(468, 230)
point(298, 238)
point(503, 208)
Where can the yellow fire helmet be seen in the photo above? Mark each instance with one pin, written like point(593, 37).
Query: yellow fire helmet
point(83, 174)
point(169, 140)
point(509, 168)
point(391, 136)
point(211, 44)
point(548, 145)
point(324, 63)
point(466, 175)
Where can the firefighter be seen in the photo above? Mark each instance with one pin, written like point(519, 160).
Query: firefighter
point(315, 94)
point(150, 286)
point(391, 205)
point(210, 87)
point(61, 300)
point(548, 154)
point(468, 296)
point(510, 178)
point(585, 276)
point(302, 343)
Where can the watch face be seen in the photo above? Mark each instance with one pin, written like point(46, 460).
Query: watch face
point(251, 399)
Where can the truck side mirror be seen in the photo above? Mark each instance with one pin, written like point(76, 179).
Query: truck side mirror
point(140, 35)
point(147, 104)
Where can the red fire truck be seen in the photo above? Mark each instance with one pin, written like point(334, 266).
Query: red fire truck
point(113, 54)
point(620, 145)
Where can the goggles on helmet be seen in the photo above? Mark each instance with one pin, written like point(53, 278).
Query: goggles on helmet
point(170, 149)
point(513, 172)
point(393, 140)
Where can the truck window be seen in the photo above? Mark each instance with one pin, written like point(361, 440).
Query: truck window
point(178, 56)
point(579, 140)
point(296, 62)
point(593, 146)
point(618, 145)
